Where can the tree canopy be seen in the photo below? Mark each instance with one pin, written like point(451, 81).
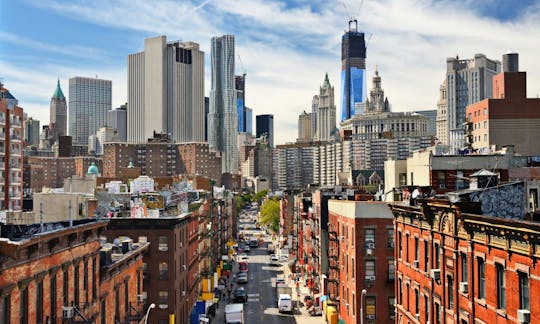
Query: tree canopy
point(270, 214)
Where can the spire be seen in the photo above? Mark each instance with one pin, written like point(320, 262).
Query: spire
point(326, 81)
point(58, 94)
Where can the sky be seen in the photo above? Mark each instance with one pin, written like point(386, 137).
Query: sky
point(284, 47)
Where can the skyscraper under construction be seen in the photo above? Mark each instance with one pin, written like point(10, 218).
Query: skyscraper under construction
point(353, 71)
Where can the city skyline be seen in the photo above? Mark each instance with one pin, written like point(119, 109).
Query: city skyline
point(79, 39)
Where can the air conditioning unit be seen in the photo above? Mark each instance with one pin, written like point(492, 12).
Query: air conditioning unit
point(184, 267)
point(370, 278)
point(67, 312)
point(341, 238)
point(416, 263)
point(392, 317)
point(371, 317)
point(141, 298)
point(417, 316)
point(183, 293)
point(524, 316)
point(435, 274)
point(370, 245)
point(464, 287)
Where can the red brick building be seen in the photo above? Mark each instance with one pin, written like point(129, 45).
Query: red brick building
point(361, 256)
point(55, 276)
point(509, 118)
point(171, 266)
point(459, 267)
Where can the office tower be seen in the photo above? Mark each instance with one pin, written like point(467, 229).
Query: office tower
point(58, 113)
point(11, 151)
point(249, 120)
point(117, 119)
point(304, 127)
point(353, 70)
point(326, 111)
point(31, 132)
point(467, 81)
point(89, 102)
point(206, 111)
point(431, 115)
point(240, 84)
point(265, 126)
point(223, 115)
point(166, 91)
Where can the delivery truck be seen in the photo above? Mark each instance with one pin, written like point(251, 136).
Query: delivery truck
point(234, 314)
point(282, 289)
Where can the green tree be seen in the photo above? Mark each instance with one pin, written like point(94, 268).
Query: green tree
point(270, 214)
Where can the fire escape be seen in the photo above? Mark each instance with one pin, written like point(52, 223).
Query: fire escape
point(333, 259)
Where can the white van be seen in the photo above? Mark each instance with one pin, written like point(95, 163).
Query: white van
point(285, 303)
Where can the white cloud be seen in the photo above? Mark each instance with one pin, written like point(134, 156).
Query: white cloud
point(287, 49)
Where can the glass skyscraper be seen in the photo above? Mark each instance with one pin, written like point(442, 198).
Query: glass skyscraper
point(89, 102)
point(223, 115)
point(353, 72)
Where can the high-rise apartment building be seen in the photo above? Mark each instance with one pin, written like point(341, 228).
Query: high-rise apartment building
point(166, 91)
point(58, 111)
point(31, 132)
point(467, 81)
point(353, 71)
point(265, 126)
point(90, 99)
point(223, 115)
point(117, 119)
point(245, 114)
point(326, 111)
point(11, 151)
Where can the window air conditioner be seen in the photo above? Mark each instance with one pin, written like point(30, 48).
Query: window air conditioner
point(416, 263)
point(370, 278)
point(184, 266)
point(67, 312)
point(417, 316)
point(435, 274)
point(370, 245)
point(371, 317)
point(464, 287)
point(524, 316)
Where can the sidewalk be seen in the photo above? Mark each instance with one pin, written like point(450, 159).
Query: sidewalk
point(301, 314)
point(220, 310)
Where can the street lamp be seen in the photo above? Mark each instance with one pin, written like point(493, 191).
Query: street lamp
point(148, 312)
point(364, 291)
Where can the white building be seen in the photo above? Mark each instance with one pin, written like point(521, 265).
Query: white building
point(142, 184)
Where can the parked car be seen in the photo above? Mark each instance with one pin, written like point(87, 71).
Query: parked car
point(283, 258)
point(285, 303)
point(243, 266)
point(274, 261)
point(239, 296)
point(244, 257)
point(242, 278)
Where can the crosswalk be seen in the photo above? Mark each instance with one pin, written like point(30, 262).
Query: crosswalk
point(254, 297)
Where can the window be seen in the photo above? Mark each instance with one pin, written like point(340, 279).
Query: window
point(370, 306)
point(523, 290)
point(116, 305)
point(391, 270)
point(103, 312)
point(450, 281)
point(460, 180)
point(39, 302)
point(426, 308)
point(481, 278)
point(391, 306)
point(163, 243)
point(437, 256)
point(390, 238)
point(126, 296)
point(163, 299)
point(501, 287)
point(370, 238)
point(163, 270)
point(441, 179)
point(400, 243)
point(76, 283)
point(5, 308)
point(23, 306)
point(464, 268)
point(406, 248)
point(53, 298)
point(485, 124)
point(400, 291)
point(437, 313)
point(353, 267)
point(416, 301)
point(426, 255)
point(407, 297)
point(370, 268)
point(353, 305)
point(402, 179)
point(416, 249)
point(485, 112)
point(65, 287)
point(85, 280)
point(95, 280)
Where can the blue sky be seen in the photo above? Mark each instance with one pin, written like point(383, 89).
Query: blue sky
point(286, 47)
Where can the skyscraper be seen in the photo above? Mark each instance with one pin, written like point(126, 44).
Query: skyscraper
point(58, 111)
point(89, 102)
point(353, 72)
point(326, 111)
point(467, 81)
point(31, 132)
point(265, 126)
point(166, 91)
point(304, 127)
point(223, 115)
point(117, 119)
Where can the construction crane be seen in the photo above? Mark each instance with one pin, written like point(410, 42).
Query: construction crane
point(241, 64)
